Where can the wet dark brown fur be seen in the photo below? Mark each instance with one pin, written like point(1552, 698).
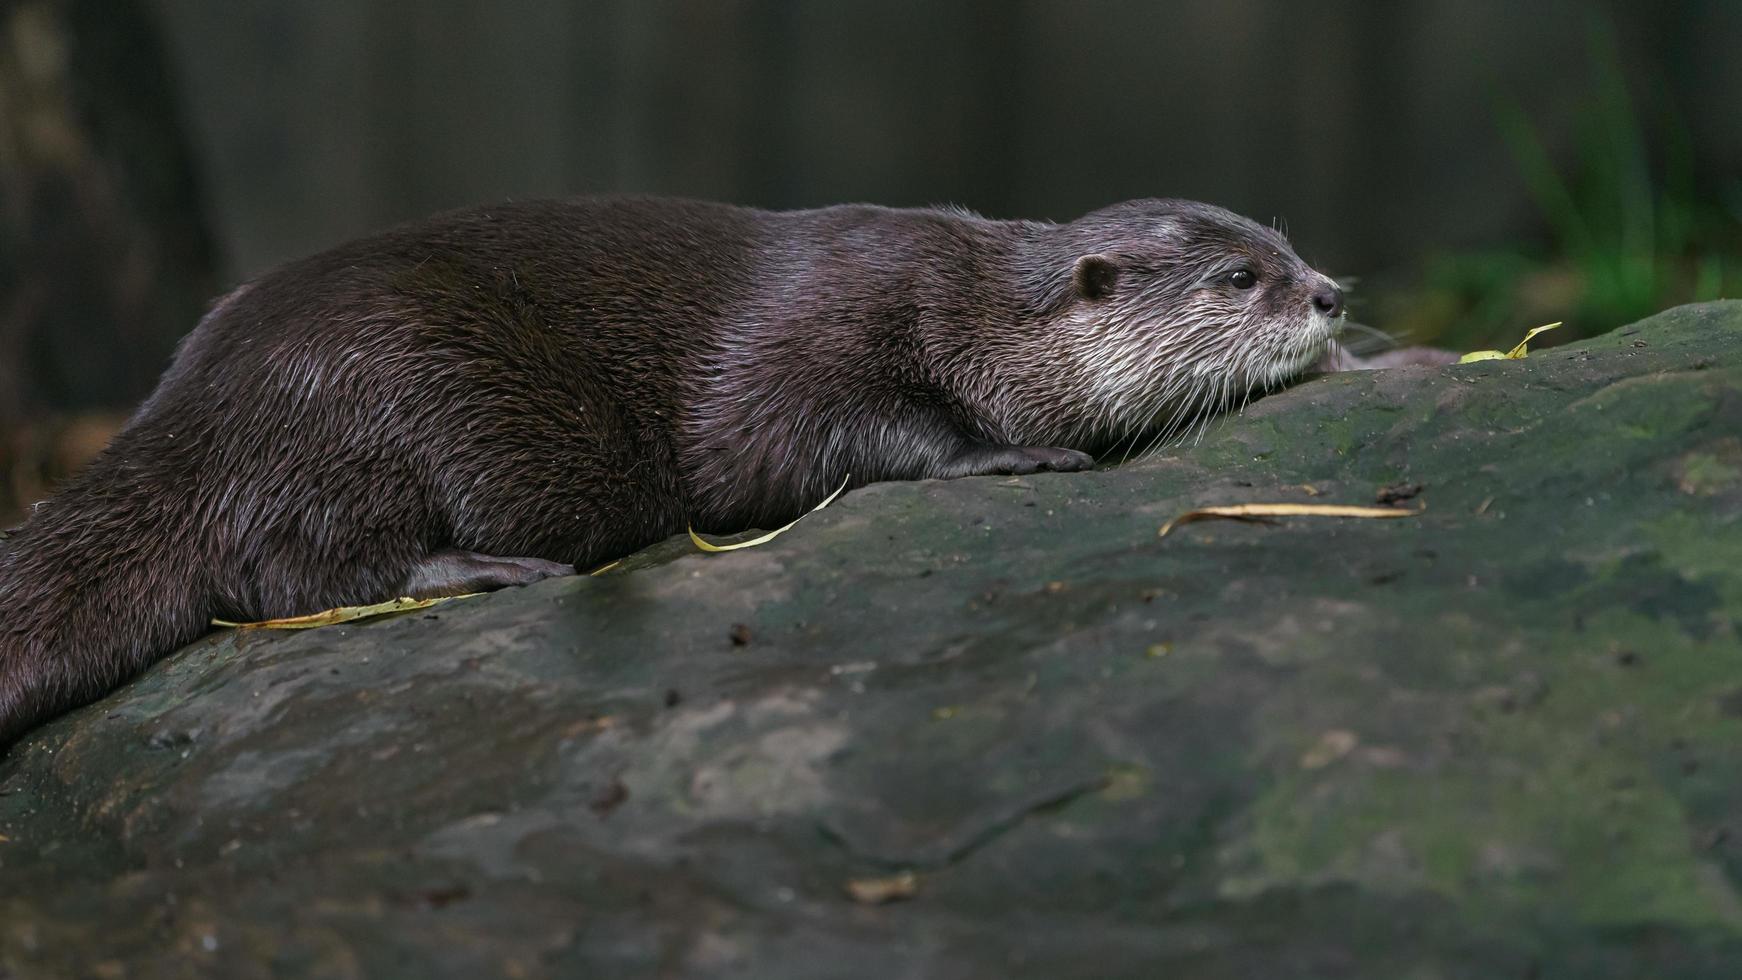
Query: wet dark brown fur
point(500, 394)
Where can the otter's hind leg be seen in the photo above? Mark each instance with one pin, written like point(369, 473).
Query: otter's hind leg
point(453, 572)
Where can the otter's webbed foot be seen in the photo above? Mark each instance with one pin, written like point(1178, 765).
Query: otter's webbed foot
point(453, 572)
point(1015, 461)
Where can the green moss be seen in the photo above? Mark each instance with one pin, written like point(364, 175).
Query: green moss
point(1703, 545)
point(1554, 800)
point(1707, 474)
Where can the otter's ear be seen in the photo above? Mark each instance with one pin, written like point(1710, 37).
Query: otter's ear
point(1095, 276)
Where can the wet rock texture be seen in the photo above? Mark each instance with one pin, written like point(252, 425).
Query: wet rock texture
point(1502, 739)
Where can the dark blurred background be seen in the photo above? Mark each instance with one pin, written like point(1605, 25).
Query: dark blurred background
point(1477, 166)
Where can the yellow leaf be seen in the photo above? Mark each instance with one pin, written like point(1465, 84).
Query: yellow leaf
point(1523, 347)
point(1517, 353)
point(343, 614)
point(1258, 512)
point(1481, 355)
point(771, 535)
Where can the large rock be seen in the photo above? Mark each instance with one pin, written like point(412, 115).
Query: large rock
point(1501, 739)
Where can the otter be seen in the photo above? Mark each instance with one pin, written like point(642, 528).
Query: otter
point(498, 395)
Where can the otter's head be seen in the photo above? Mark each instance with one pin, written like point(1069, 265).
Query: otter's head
point(1167, 310)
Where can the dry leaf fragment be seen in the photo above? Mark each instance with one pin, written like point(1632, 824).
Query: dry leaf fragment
point(1515, 354)
point(1263, 512)
point(879, 891)
point(343, 614)
point(771, 535)
point(597, 723)
point(1330, 747)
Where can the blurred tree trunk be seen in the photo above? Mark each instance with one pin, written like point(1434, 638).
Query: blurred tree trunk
point(105, 255)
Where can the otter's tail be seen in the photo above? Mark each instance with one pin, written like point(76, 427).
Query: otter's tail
point(93, 588)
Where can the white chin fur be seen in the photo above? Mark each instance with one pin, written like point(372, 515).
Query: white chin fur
point(1314, 341)
point(1137, 387)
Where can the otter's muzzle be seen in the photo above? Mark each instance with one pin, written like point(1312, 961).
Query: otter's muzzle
point(1328, 299)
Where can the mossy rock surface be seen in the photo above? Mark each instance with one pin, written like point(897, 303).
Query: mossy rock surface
point(1499, 739)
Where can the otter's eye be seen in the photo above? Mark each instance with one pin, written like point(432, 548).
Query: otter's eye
point(1242, 279)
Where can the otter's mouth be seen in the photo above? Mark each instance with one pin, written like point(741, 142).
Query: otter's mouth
point(1309, 347)
point(1325, 328)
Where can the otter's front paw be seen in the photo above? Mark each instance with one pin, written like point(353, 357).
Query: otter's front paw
point(1033, 459)
point(1338, 358)
point(1019, 460)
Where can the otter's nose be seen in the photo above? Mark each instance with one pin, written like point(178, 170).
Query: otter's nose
point(1328, 300)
